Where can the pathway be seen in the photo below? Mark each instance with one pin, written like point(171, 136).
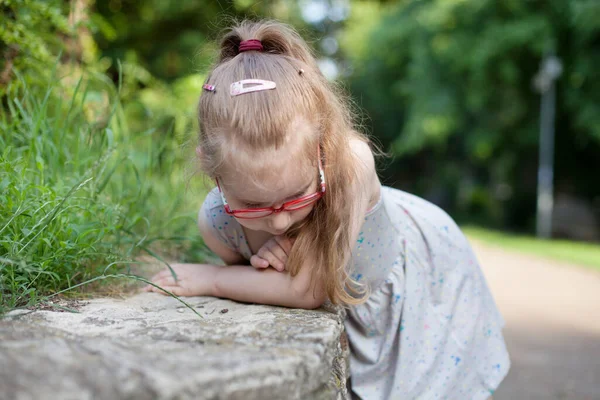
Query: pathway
point(552, 313)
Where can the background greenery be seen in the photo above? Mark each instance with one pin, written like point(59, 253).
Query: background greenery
point(97, 120)
point(448, 87)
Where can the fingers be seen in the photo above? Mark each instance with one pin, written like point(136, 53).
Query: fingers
point(280, 257)
point(163, 278)
point(258, 262)
point(268, 254)
point(166, 283)
point(176, 290)
point(274, 253)
point(285, 243)
point(162, 274)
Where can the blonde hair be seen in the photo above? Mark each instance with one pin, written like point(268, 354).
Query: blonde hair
point(242, 125)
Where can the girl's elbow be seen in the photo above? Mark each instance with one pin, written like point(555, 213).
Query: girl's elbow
point(309, 292)
point(311, 298)
point(313, 301)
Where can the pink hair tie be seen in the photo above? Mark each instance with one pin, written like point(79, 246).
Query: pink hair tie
point(251, 44)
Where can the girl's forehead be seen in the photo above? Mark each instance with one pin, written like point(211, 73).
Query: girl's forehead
point(272, 170)
point(273, 181)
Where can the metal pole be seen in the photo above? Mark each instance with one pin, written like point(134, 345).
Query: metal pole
point(545, 199)
point(544, 81)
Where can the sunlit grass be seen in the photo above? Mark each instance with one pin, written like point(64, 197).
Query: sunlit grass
point(80, 190)
point(584, 254)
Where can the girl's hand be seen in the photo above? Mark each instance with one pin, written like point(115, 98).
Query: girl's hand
point(192, 280)
point(274, 252)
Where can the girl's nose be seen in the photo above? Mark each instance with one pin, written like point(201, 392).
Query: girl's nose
point(279, 220)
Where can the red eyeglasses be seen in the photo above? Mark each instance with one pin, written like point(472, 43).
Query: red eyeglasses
point(292, 205)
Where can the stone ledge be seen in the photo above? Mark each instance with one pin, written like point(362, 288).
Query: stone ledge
point(149, 346)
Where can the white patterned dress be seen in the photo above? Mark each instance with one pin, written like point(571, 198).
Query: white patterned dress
point(430, 328)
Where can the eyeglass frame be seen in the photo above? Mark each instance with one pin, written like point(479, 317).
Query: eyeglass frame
point(317, 195)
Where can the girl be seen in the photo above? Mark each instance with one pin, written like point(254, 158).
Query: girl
point(297, 197)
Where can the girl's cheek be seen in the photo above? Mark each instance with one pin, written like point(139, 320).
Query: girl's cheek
point(301, 214)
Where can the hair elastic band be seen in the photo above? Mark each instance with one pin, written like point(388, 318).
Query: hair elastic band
point(251, 44)
point(256, 85)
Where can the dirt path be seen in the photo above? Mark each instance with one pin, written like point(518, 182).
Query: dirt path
point(552, 313)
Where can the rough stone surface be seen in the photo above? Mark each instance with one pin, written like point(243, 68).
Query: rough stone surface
point(151, 346)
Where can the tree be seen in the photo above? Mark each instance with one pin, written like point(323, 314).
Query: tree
point(448, 87)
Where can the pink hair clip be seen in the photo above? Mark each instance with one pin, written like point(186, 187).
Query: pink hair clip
point(207, 87)
point(250, 85)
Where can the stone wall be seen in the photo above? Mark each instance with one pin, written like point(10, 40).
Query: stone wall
point(152, 347)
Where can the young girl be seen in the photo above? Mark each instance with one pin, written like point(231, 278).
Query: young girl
point(297, 197)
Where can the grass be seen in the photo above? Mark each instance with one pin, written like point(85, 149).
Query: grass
point(584, 254)
point(82, 194)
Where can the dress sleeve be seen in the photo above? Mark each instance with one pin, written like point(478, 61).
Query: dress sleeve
point(224, 226)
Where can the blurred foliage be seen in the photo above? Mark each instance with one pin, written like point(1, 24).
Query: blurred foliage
point(173, 38)
point(447, 85)
point(32, 33)
point(162, 36)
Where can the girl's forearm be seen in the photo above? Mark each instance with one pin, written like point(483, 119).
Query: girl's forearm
point(266, 286)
